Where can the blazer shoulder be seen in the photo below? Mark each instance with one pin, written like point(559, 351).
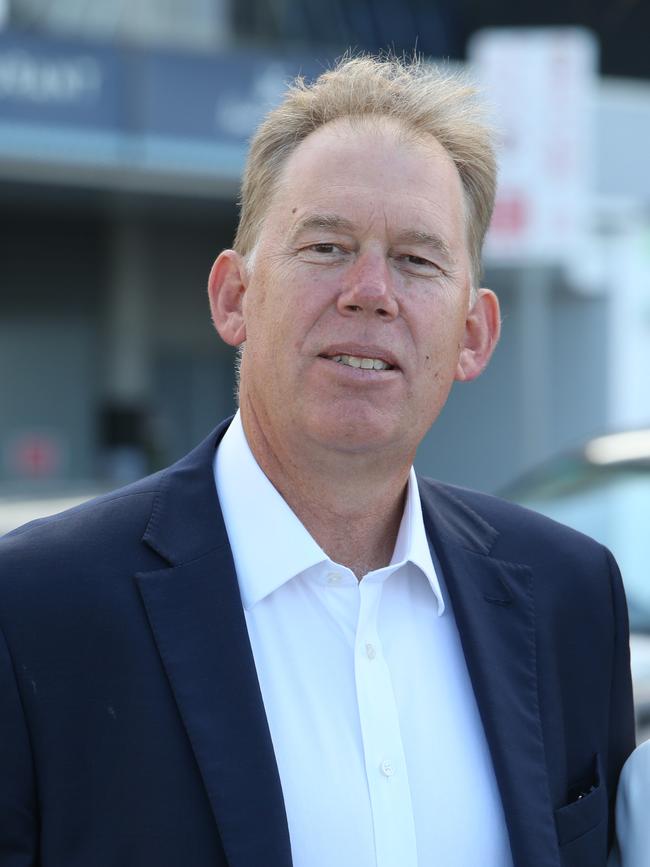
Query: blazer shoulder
point(517, 532)
point(174, 512)
point(102, 523)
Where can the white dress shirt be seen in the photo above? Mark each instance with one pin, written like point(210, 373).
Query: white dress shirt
point(379, 745)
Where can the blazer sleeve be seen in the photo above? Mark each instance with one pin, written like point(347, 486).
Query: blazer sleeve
point(18, 820)
point(621, 707)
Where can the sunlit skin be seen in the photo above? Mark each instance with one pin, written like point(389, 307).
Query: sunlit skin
point(362, 252)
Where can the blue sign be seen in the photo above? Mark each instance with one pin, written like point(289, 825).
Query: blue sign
point(79, 100)
point(60, 83)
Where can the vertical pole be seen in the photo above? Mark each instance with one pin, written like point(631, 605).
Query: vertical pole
point(125, 412)
point(128, 316)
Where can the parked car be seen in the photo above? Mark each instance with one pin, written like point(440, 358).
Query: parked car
point(603, 490)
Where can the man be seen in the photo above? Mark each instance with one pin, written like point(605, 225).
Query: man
point(286, 649)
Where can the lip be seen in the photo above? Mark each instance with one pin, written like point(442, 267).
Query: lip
point(359, 351)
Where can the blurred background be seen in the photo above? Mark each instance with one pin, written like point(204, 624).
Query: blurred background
point(123, 132)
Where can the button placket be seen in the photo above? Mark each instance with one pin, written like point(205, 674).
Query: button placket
point(388, 785)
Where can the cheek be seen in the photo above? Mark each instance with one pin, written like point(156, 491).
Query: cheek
point(438, 359)
point(262, 308)
point(439, 335)
point(275, 331)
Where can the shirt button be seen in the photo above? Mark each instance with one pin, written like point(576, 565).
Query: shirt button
point(387, 768)
point(370, 651)
point(334, 578)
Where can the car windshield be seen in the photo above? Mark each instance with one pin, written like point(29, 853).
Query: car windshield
point(613, 505)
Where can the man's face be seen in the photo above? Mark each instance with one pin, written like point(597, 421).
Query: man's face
point(356, 309)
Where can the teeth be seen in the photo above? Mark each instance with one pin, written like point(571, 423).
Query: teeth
point(363, 363)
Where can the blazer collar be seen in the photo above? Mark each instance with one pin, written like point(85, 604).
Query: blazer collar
point(494, 605)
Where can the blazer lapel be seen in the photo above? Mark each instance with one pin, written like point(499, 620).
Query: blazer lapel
point(493, 604)
point(197, 620)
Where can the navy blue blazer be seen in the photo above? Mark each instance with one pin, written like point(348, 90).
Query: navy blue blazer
point(132, 728)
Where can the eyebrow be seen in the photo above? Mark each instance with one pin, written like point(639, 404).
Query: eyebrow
point(332, 222)
point(322, 221)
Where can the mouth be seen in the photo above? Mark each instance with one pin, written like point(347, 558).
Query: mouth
point(366, 357)
point(359, 361)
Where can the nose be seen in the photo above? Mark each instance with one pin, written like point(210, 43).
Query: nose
point(368, 287)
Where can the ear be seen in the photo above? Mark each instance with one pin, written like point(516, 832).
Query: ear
point(482, 329)
point(226, 287)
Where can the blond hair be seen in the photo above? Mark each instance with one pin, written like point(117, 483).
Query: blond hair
point(423, 99)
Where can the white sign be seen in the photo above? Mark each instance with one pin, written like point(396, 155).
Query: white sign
point(541, 83)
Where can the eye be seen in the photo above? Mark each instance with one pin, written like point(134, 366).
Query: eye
point(418, 264)
point(324, 252)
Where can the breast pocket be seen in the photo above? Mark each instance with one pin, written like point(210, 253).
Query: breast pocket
point(587, 809)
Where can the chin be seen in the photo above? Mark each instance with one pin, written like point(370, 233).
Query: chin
point(353, 433)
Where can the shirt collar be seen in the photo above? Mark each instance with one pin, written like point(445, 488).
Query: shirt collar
point(270, 545)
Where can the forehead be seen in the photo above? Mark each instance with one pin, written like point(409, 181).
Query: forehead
point(371, 165)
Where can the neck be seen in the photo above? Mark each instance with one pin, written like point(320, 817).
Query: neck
point(351, 504)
